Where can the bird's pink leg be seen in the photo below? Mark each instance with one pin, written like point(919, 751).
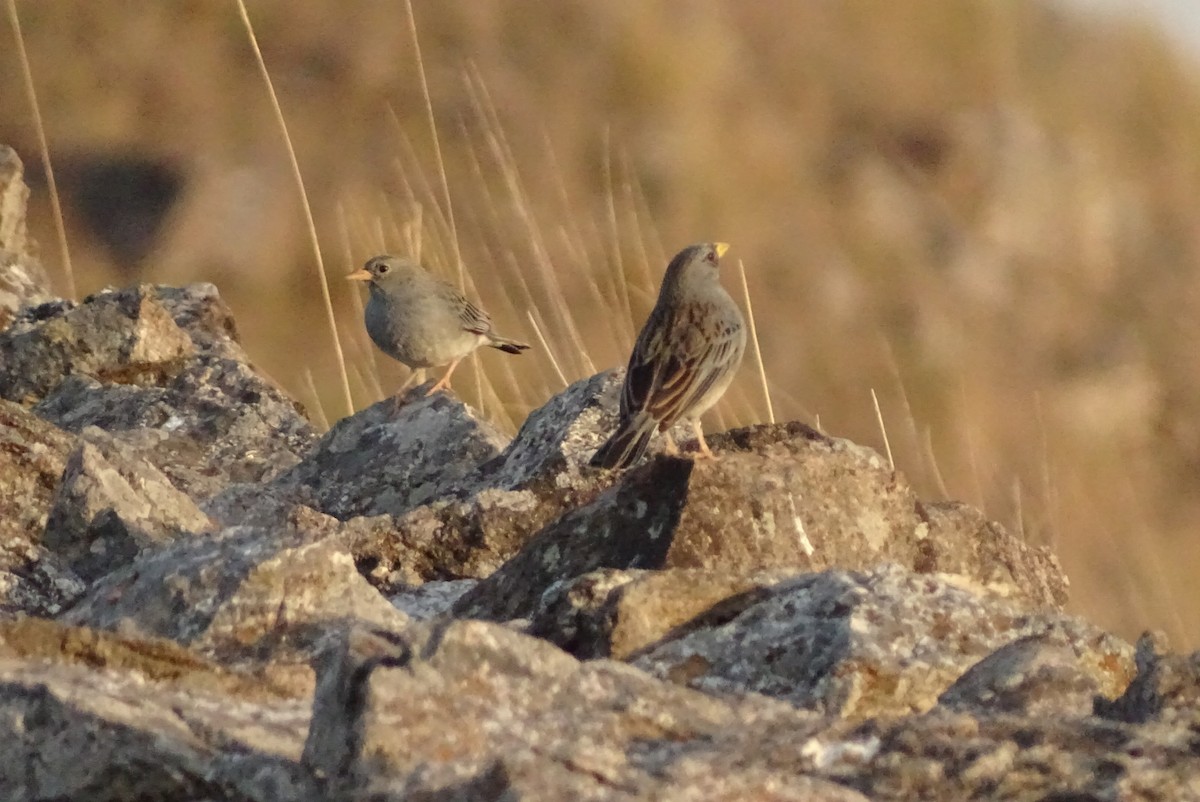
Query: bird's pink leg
point(444, 382)
point(705, 451)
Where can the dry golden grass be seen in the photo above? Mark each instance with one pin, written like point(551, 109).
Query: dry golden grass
point(982, 214)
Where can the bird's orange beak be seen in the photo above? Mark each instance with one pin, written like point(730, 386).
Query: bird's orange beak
point(359, 275)
point(721, 247)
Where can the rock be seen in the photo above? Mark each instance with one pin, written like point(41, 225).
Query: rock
point(780, 497)
point(111, 504)
point(23, 282)
point(32, 456)
point(431, 599)
point(530, 722)
point(611, 613)
point(243, 593)
point(119, 337)
point(458, 539)
point(886, 642)
point(33, 580)
point(388, 459)
point(1167, 687)
point(156, 723)
point(160, 369)
point(1040, 675)
point(559, 438)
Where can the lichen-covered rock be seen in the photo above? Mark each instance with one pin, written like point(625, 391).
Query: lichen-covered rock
point(530, 722)
point(33, 580)
point(22, 280)
point(69, 731)
point(124, 337)
point(884, 642)
point(1166, 688)
point(160, 369)
point(111, 504)
point(610, 613)
point(780, 497)
point(1051, 673)
point(240, 590)
point(390, 458)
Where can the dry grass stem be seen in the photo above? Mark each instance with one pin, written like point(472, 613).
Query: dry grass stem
point(60, 228)
point(308, 216)
point(758, 358)
point(883, 429)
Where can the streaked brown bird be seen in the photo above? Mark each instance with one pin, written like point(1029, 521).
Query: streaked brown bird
point(684, 358)
point(421, 320)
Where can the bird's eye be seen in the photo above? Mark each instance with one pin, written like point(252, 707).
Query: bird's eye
point(711, 256)
point(383, 268)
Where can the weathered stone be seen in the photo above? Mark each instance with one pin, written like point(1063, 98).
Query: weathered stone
point(161, 369)
point(457, 539)
point(119, 337)
point(780, 497)
point(884, 642)
point(1167, 688)
point(388, 459)
point(217, 422)
point(612, 613)
point(22, 280)
point(529, 721)
point(32, 457)
point(33, 580)
point(111, 504)
point(71, 732)
point(431, 599)
point(240, 591)
point(1051, 673)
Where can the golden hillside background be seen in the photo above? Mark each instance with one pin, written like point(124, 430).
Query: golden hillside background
point(984, 212)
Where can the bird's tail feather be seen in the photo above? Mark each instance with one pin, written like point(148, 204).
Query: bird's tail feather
point(506, 345)
point(627, 444)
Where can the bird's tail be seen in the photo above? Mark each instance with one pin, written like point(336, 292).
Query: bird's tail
point(627, 444)
point(505, 344)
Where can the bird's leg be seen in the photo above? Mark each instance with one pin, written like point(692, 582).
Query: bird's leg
point(705, 451)
point(669, 447)
point(444, 382)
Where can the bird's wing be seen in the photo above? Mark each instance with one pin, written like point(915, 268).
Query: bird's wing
point(473, 318)
point(674, 363)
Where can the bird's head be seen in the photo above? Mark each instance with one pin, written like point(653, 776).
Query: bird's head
point(384, 269)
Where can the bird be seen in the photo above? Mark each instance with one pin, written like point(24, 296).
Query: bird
point(420, 320)
point(684, 359)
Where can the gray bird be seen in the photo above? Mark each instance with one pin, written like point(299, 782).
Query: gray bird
point(422, 321)
point(684, 358)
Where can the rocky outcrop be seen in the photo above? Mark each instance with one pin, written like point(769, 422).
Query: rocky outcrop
point(202, 598)
point(22, 280)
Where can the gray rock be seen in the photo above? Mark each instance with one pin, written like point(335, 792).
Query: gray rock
point(158, 723)
point(530, 722)
point(239, 592)
point(388, 459)
point(461, 539)
point(1052, 673)
point(23, 282)
point(610, 613)
point(883, 642)
point(125, 337)
point(33, 580)
point(431, 599)
point(781, 497)
point(1166, 688)
point(159, 368)
point(111, 504)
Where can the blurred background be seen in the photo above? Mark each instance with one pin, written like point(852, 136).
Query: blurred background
point(983, 211)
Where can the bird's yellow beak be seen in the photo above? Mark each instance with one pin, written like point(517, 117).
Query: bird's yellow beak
point(359, 275)
point(721, 247)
